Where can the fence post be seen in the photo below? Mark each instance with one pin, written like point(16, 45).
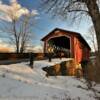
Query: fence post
point(31, 57)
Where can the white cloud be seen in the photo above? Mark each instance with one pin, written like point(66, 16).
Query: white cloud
point(35, 49)
point(5, 17)
point(38, 48)
point(13, 1)
point(34, 12)
point(4, 47)
point(14, 11)
point(0, 2)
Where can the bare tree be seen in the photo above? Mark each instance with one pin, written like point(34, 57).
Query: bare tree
point(78, 9)
point(91, 37)
point(21, 33)
point(18, 22)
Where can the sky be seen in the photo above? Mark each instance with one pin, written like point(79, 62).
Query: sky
point(44, 23)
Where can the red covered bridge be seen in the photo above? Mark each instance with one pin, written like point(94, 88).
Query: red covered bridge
point(71, 44)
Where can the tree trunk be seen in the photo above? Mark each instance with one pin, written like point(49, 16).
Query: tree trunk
point(21, 49)
point(15, 36)
point(17, 47)
point(95, 16)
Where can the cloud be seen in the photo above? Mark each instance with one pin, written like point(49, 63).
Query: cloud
point(13, 1)
point(35, 49)
point(14, 11)
point(0, 2)
point(34, 12)
point(4, 47)
point(38, 48)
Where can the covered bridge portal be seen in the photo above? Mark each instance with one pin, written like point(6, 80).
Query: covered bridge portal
point(60, 45)
point(67, 43)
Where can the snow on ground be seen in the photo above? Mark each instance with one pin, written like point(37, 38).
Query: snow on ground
point(19, 82)
point(45, 63)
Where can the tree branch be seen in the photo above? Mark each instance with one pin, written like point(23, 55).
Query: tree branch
point(78, 10)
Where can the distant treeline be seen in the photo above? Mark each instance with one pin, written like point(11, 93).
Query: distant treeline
point(15, 56)
point(37, 56)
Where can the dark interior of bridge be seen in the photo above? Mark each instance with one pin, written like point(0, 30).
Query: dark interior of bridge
point(61, 46)
point(61, 42)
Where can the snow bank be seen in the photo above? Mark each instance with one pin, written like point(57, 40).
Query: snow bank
point(19, 82)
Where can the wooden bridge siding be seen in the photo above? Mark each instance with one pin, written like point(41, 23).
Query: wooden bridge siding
point(81, 52)
point(77, 51)
point(58, 35)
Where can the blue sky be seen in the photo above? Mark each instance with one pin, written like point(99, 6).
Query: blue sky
point(45, 24)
